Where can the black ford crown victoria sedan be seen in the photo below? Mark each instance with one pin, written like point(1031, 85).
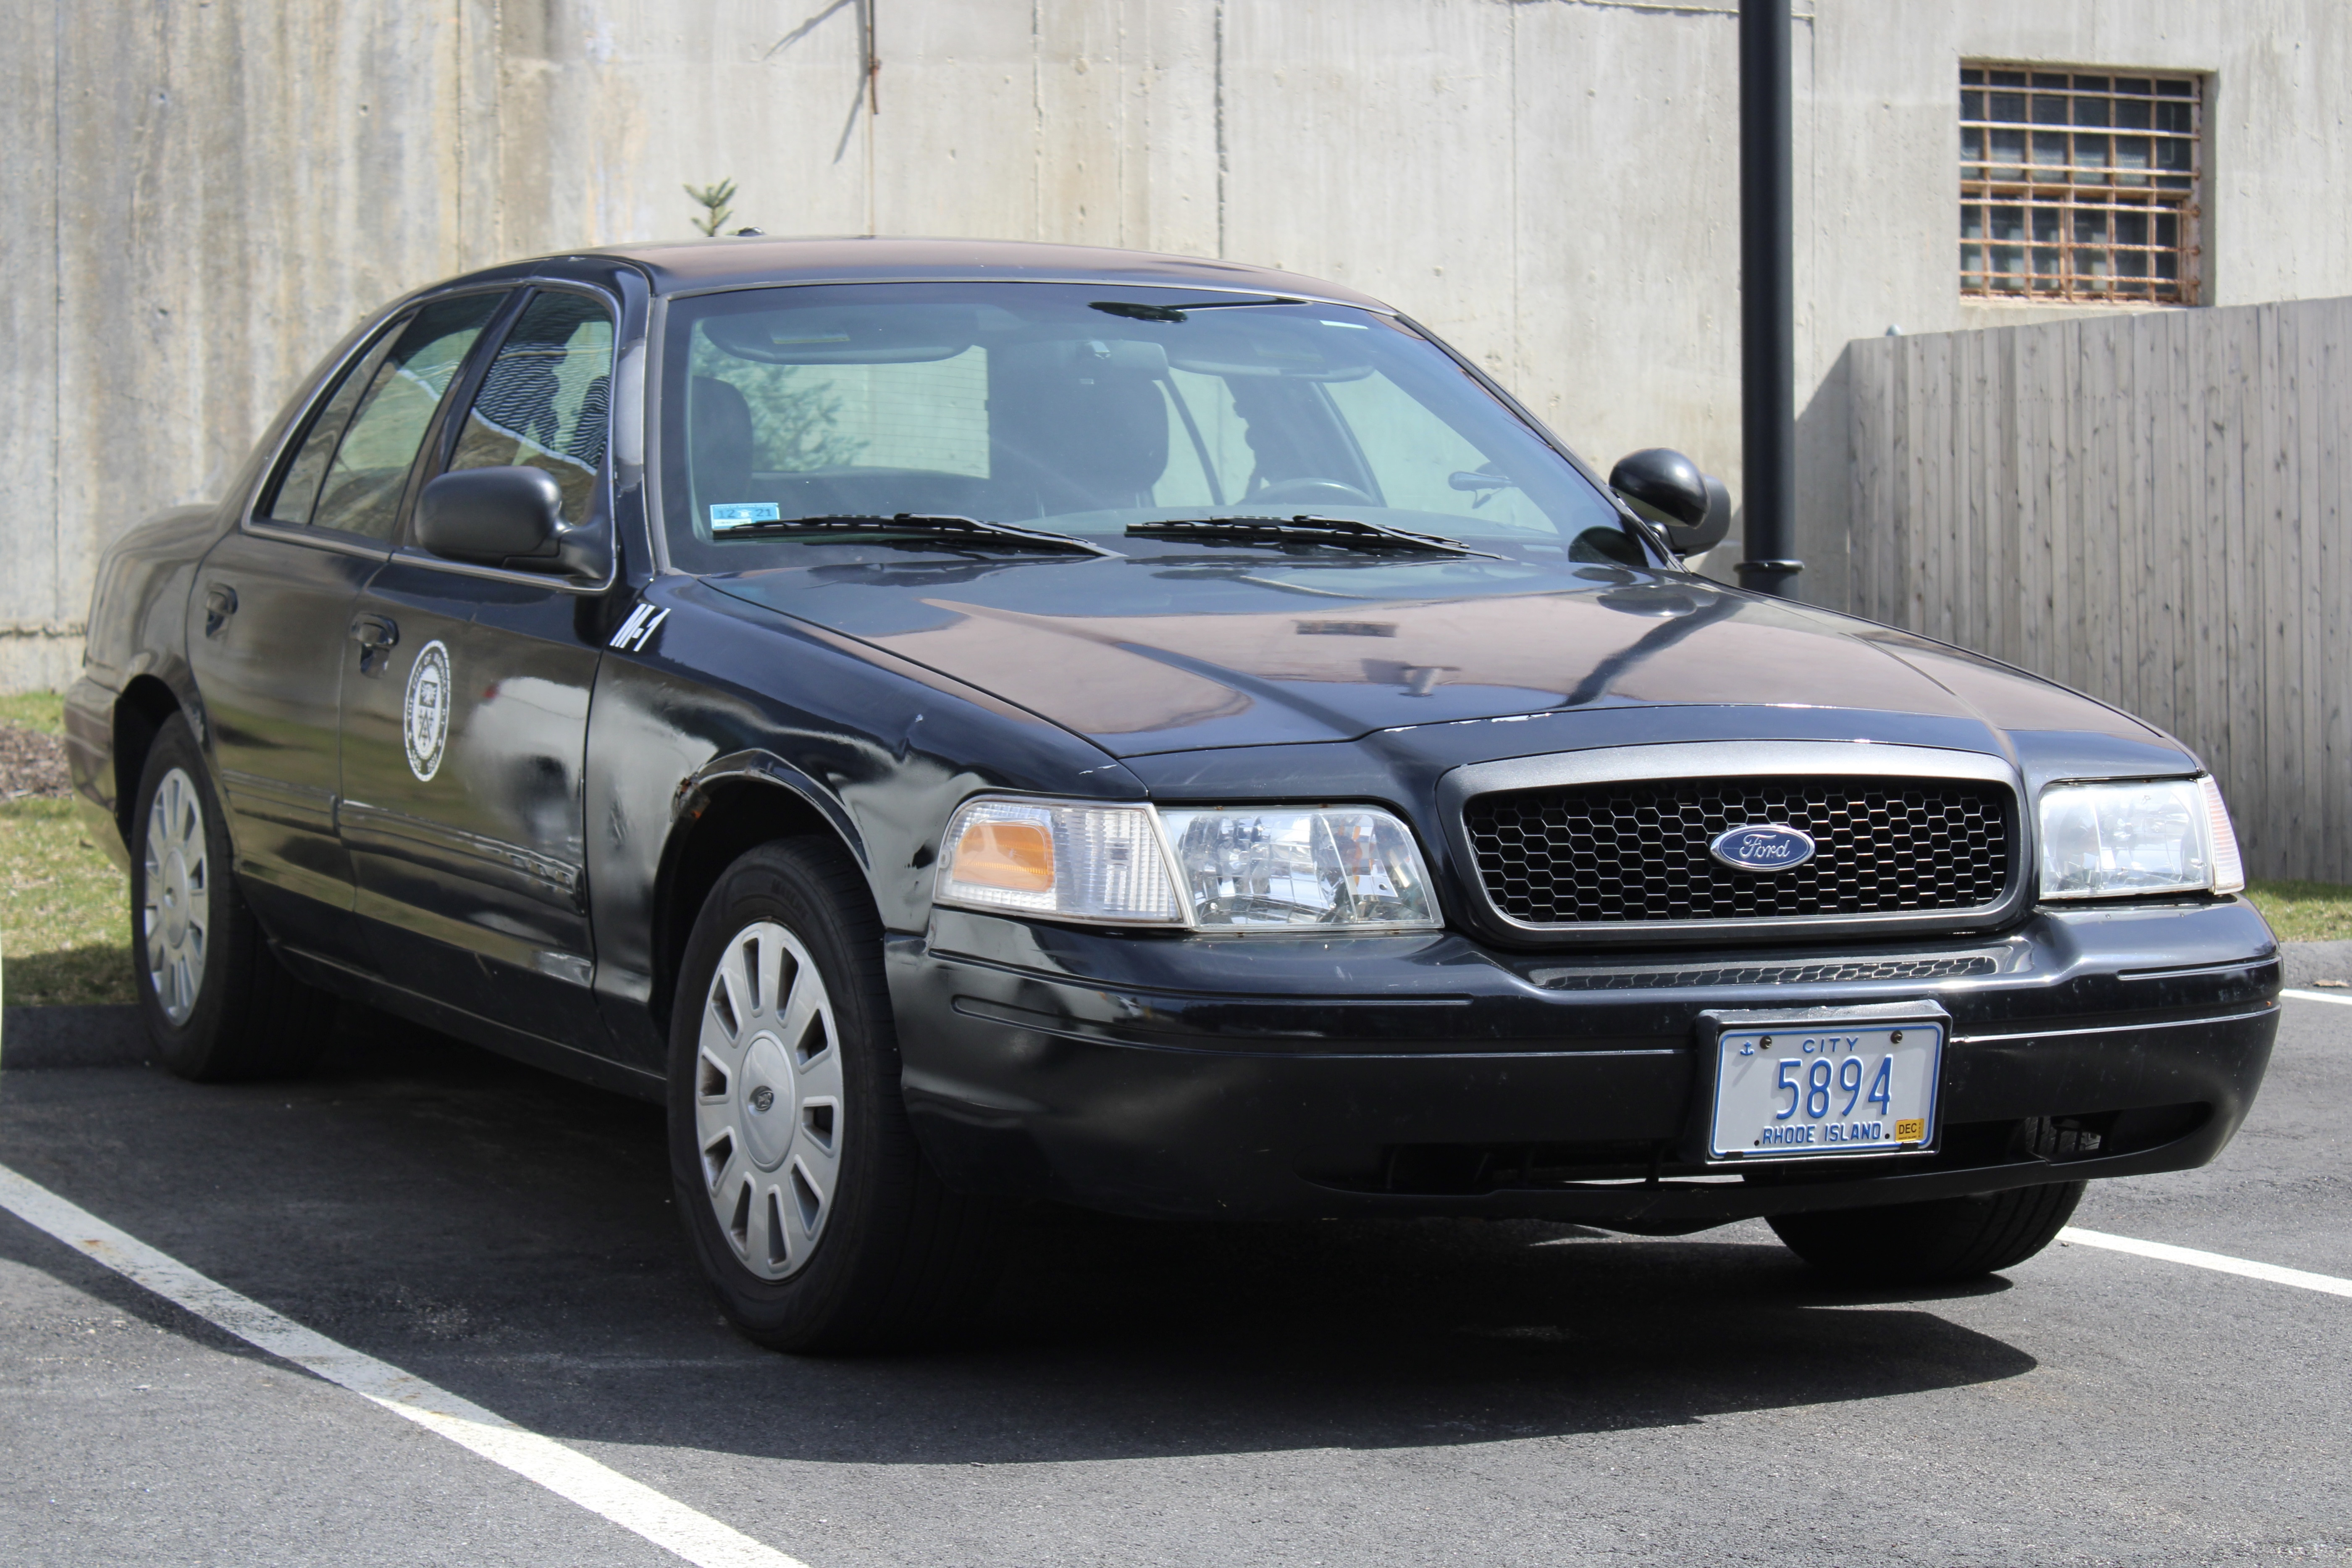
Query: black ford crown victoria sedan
point(958, 721)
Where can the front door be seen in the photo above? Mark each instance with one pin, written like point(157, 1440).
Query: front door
point(270, 604)
point(465, 719)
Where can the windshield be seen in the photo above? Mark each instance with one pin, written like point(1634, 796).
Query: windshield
point(1088, 410)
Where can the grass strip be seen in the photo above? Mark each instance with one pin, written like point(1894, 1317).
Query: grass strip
point(41, 710)
point(2305, 912)
point(66, 924)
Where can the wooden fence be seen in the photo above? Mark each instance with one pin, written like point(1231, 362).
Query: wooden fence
point(2150, 508)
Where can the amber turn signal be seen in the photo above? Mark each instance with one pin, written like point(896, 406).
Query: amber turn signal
point(1016, 856)
point(1072, 860)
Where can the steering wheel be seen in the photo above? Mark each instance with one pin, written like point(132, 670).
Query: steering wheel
point(1311, 491)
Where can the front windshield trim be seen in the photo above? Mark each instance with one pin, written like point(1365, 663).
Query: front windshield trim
point(1288, 296)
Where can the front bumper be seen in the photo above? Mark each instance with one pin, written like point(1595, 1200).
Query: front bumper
point(1263, 1078)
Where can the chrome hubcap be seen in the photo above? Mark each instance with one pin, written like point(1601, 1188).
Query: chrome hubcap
point(768, 1099)
point(175, 917)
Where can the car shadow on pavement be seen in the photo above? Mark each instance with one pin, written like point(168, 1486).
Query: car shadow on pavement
point(508, 1235)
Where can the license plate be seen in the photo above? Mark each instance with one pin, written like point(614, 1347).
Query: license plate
point(1822, 1086)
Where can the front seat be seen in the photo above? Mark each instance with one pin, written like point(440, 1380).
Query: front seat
point(1077, 436)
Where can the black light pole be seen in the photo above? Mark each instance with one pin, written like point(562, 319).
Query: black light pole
point(1768, 302)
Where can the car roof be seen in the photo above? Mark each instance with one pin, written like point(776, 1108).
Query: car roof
point(693, 266)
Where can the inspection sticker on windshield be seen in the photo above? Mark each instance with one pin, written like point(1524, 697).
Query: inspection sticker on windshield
point(1822, 1085)
point(725, 515)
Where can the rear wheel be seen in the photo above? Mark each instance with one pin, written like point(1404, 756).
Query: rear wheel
point(805, 1198)
point(1948, 1239)
point(217, 1003)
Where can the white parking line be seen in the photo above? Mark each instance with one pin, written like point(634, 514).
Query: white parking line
point(2343, 1001)
point(568, 1473)
point(2221, 1263)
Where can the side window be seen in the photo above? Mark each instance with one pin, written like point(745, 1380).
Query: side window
point(1425, 465)
point(1258, 431)
point(1189, 481)
point(1212, 427)
point(546, 400)
point(361, 493)
point(297, 491)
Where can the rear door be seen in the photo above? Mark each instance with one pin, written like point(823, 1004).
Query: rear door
point(272, 601)
point(465, 701)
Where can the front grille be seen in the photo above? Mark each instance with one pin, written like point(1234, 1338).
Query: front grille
point(1604, 853)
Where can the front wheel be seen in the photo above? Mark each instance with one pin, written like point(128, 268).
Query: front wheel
point(806, 1201)
point(1931, 1243)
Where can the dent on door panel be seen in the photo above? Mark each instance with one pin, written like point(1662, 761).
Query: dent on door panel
point(463, 748)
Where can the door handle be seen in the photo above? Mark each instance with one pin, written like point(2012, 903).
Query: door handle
point(220, 603)
point(376, 635)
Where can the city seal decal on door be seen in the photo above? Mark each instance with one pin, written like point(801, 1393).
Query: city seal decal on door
point(424, 712)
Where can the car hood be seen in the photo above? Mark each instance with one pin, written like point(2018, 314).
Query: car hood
point(1145, 655)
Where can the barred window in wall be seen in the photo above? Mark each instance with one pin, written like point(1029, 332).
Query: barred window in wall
point(545, 402)
point(2080, 186)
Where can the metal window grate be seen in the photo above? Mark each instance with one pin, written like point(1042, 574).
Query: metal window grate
point(2081, 186)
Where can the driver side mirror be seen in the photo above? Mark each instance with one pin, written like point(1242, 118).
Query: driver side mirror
point(511, 517)
point(1667, 489)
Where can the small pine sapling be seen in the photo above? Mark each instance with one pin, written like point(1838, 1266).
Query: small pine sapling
point(713, 200)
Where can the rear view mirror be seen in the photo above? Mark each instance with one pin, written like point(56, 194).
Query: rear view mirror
point(492, 517)
point(1666, 488)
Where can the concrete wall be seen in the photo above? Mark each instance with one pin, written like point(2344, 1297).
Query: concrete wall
point(199, 198)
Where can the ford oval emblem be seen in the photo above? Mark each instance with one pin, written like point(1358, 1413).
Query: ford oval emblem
point(1762, 846)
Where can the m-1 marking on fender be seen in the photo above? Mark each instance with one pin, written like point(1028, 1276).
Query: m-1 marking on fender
point(636, 633)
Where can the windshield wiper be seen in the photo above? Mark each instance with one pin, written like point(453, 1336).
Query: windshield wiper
point(1346, 531)
point(971, 529)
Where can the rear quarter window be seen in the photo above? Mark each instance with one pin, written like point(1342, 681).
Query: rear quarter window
point(360, 492)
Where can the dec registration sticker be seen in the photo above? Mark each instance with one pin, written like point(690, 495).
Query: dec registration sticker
point(1805, 1091)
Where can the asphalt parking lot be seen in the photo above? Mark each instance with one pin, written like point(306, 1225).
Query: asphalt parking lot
point(1416, 1393)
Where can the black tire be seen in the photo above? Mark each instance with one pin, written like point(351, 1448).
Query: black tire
point(1941, 1242)
point(898, 1258)
point(249, 1018)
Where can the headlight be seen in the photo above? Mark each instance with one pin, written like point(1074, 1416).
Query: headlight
point(1099, 863)
point(1251, 866)
point(1211, 868)
point(2120, 840)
